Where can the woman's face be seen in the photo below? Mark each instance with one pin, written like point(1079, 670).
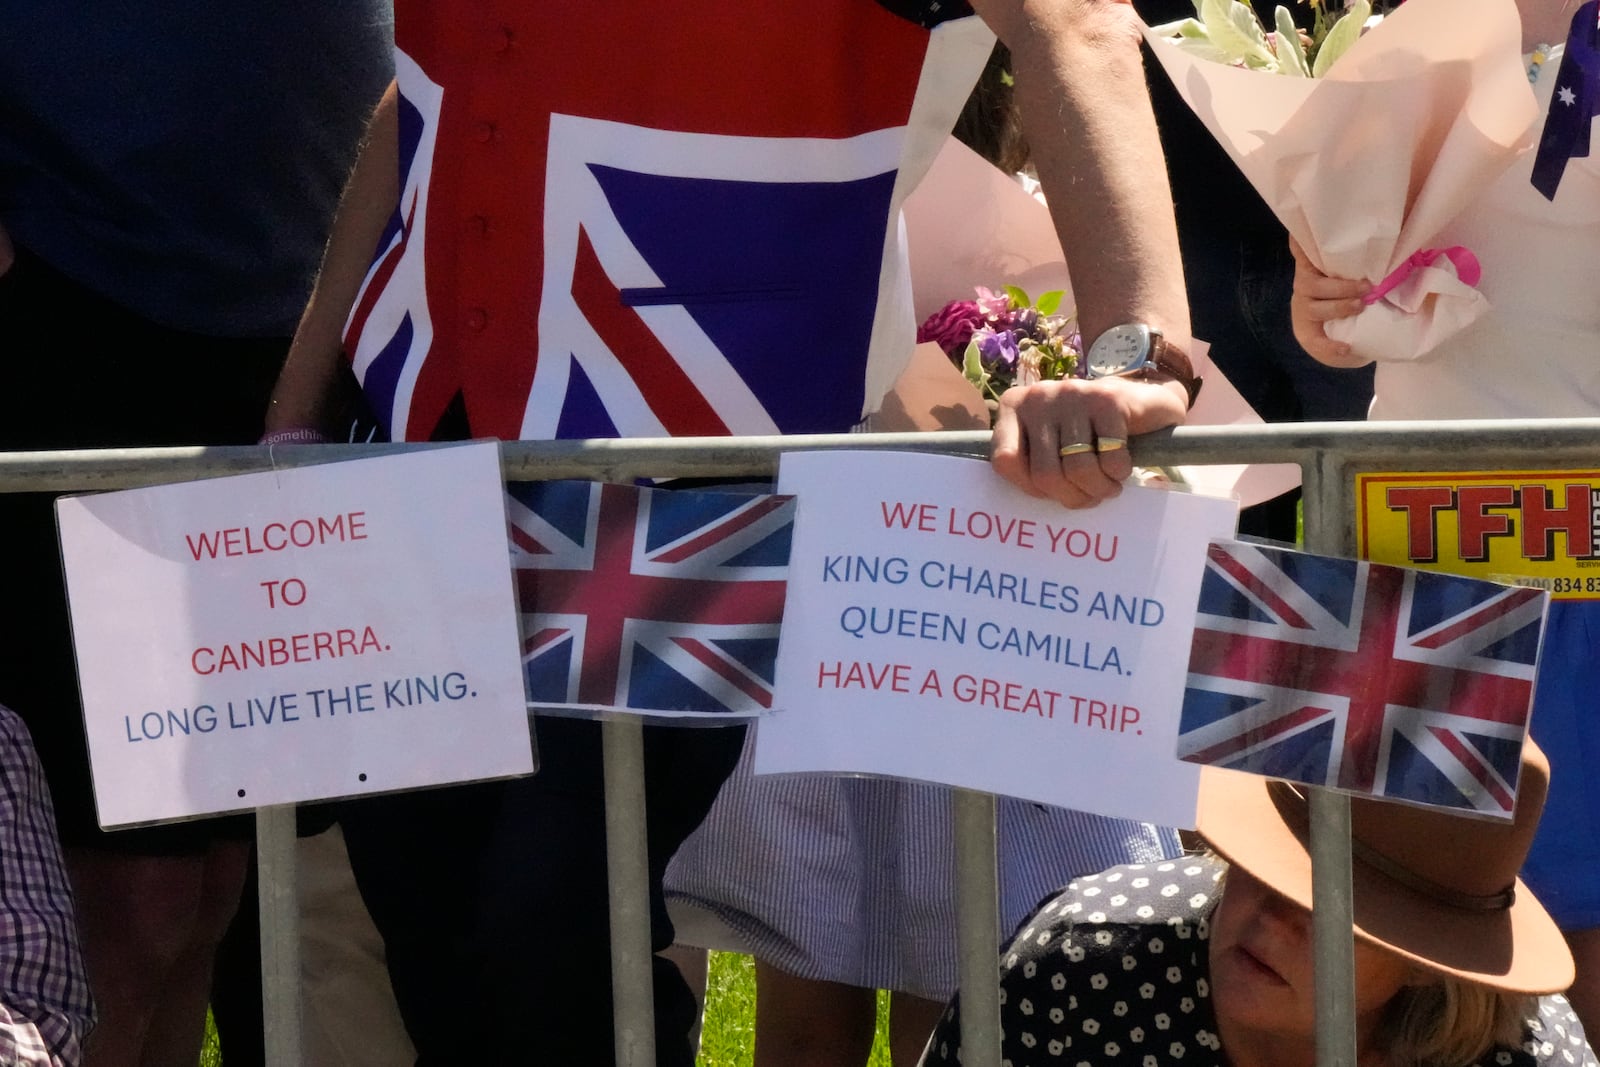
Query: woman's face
point(1261, 967)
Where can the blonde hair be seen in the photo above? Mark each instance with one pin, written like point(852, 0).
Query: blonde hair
point(1450, 1022)
point(1441, 1021)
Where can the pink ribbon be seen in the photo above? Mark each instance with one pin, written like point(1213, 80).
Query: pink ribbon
point(1468, 269)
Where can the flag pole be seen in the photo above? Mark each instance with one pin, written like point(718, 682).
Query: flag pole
point(632, 993)
point(1327, 532)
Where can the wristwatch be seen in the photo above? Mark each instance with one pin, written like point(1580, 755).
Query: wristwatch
point(1135, 350)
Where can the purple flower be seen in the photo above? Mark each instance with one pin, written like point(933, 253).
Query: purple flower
point(951, 326)
point(996, 346)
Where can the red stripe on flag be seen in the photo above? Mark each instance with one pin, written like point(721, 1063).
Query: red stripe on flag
point(545, 636)
point(1268, 731)
point(725, 670)
point(1256, 587)
point(1511, 600)
point(1265, 661)
point(523, 540)
point(1474, 764)
point(379, 282)
point(758, 510)
point(665, 386)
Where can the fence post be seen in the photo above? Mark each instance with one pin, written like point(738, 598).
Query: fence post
point(628, 864)
point(1332, 914)
point(978, 926)
point(279, 900)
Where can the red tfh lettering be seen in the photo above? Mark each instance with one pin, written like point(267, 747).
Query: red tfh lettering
point(1540, 522)
point(1422, 505)
point(1477, 524)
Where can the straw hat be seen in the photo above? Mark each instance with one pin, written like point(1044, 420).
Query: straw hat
point(1437, 888)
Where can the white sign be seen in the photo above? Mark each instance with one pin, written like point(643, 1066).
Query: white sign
point(296, 635)
point(942, 625)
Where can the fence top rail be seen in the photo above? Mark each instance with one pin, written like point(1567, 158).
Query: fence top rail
point(1494, 443)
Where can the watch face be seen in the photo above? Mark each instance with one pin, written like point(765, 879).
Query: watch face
point(1119, 350)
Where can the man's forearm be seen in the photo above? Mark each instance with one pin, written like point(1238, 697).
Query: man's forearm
point(299, 401)
point(1086, 111)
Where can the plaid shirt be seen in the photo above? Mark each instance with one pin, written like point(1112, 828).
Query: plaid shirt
point(45, 1009)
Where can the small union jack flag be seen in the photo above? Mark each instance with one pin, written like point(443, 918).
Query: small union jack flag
point(660, 602)
point(1362, 677)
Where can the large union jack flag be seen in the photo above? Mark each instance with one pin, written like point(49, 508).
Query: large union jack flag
point(1361, 677)
point(618, 219)
point(660, 602)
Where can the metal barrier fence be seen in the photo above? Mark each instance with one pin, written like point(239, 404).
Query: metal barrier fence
point(1328, 454)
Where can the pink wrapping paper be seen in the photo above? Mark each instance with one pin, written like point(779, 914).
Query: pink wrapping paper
point(1367, 164)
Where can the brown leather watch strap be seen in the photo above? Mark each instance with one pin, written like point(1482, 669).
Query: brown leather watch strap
point(1172, 362)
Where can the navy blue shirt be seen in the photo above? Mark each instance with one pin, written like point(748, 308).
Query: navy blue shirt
point(1203, 177)
point(184, 159)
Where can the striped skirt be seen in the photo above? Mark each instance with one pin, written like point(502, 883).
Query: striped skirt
point(852, 880)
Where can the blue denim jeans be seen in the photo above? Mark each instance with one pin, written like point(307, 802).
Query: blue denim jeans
point(1239, 288)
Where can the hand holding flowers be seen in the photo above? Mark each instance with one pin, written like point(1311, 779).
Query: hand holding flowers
point(1319, 300)
point(1006, 338)
point(1366, 166)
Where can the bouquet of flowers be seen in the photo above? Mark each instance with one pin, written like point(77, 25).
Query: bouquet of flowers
point(1006, 338)
point(1367, 163)
point(1227, 31)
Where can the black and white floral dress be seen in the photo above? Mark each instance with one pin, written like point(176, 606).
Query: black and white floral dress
point(1114, 972)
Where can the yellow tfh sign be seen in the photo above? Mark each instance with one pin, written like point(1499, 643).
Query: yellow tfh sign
point(1533, 528)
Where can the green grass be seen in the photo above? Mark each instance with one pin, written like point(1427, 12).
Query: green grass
point(210, 1052)
point(728, 1035)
